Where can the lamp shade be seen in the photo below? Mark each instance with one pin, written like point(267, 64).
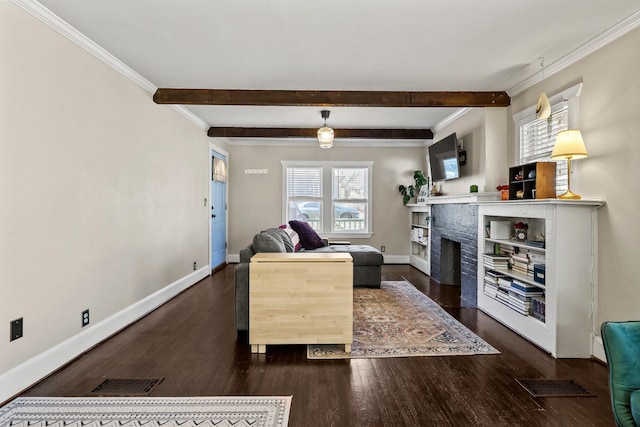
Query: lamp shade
point(325, 137)
point(569, 145)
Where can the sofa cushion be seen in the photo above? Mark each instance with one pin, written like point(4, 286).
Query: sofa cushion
point(263, 242)
point(308, 236)
point(361, 254)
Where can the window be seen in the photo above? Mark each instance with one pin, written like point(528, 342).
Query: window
point(536, 138)
point(332, 197)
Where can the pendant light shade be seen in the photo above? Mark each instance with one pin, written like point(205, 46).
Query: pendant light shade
point(543, 109)
point(325, 133)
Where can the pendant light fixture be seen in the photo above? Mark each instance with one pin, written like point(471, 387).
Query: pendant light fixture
point(543, 109)
point(325, 133)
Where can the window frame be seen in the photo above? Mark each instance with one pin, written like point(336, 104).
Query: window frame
point(569, 98)
point(327, 200)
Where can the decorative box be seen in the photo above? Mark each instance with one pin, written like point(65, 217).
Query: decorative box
point(500, 230)
point(538, 273)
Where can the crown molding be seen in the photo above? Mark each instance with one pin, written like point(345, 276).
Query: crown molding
point(623, 27)
point(49, 18)
point(450, 119)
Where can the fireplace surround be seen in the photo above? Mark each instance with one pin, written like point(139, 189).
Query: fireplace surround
point(457, 225)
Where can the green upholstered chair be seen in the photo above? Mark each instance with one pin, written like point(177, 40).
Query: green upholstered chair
point(622, 348)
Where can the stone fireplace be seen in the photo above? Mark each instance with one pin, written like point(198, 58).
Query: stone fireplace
point(454, 248)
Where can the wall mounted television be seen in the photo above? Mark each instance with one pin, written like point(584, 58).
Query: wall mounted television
point(444, 159)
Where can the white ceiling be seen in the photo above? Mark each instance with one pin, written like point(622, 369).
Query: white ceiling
point(391, 45)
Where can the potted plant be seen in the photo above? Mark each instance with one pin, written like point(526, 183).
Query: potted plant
point(413, 190)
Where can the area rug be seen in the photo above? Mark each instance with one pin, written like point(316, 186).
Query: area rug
point(398, 320)
point(147, 411)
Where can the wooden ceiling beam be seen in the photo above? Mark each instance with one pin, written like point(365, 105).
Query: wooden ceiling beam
point(242, 132)
point(330, 98)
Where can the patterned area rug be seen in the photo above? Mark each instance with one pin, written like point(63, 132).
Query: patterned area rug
point(147, 411)
point(398, 320)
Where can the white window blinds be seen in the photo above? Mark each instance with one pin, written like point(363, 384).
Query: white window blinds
point(304, 182)
point(537, 138)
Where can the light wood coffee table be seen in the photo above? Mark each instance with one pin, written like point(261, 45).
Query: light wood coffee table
point(300, 298)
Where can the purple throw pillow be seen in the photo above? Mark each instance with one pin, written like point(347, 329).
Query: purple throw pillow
point(308, 236)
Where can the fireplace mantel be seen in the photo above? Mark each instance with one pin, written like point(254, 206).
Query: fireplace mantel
point(463, 198)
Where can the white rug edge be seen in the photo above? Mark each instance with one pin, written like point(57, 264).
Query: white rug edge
point(287, 400)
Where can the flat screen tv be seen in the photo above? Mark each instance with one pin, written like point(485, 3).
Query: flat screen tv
point(443, 159)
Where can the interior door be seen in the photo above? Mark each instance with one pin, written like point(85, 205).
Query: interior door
point(218, 210)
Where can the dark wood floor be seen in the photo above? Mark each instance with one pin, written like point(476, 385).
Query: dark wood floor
point(192, 343)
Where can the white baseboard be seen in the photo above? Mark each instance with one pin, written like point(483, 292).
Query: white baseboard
point(233, 258)
point(396, 259)
point(23, 376)
point(597, 348)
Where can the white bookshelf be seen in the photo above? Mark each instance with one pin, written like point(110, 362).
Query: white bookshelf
point(420, 247)
point(570, 232)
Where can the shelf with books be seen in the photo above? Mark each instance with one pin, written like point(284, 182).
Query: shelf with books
point(419, 250)
point(542, 290)
point(536, 245)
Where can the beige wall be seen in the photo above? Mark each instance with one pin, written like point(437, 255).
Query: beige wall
point(255, 201)
point(101, 190)
point(484, 139)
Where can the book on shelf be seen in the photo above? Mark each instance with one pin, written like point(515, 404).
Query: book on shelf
point(525, 288)
point(520, 258)
point(535, 243)
point(502, 296)
point(495, 261)
point(504, 282)
point(517, 296)
point(536, 258)
point(490, 284)
point(490, 292)
point(495, 257)
point(523, 311)
point(494, 274)
point(538, 308)
point(524, 305)
point(506, 250)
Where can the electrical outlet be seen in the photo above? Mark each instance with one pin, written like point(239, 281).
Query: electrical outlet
point(382, 248)
point(85, 318)
point(16, 329)
point(195, 265)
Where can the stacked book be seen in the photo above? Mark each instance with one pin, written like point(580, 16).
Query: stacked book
point(504, 285)
point(491, 278)
point(520, 263)
point(521, 296)
point(538, 308)
point(535, 243)
point(493, 261)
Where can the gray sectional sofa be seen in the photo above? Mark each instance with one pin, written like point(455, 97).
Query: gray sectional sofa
point(367, 266)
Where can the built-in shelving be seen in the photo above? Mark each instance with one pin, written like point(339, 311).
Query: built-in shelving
point(419, 253)
point(568, 254)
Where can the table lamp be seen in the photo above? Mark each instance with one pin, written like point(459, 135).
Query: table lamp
point(569, 145)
